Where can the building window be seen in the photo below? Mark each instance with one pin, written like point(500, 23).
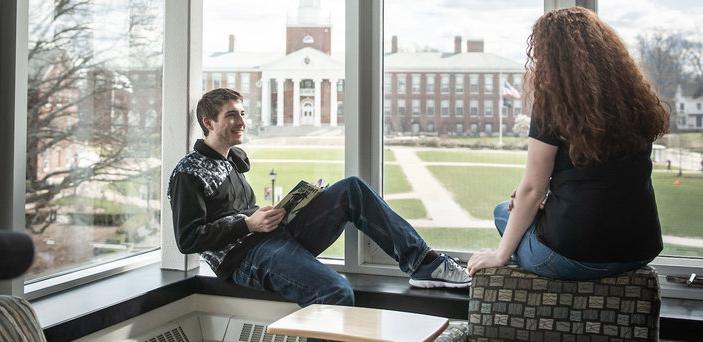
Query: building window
point(473, 107)
point(459, 83)
point(488, 84)
point(415, 79)
point(216, 80)
point(473, 84)
point(517, 107)
point(430, 107)
point(488, 129)
point(231, 83)
point(473, 128)
point(386, 107)
point(340, 86)
point(459, 128)
point(517, 82)
point(459, 107)
point(429, 84)
point(416, 107)
point(445, 107)
point(245, 79)
point(681, 107)
point(698, 106)
point(488, 108)
point(387, 83)
point(401, 107)
point(401, 83)
point(444, 83)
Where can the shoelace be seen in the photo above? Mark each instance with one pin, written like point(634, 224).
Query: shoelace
point(452, 263)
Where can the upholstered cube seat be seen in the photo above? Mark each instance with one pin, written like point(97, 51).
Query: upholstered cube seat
point(509, 303)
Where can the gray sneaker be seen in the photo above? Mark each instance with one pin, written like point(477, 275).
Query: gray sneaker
point(443, 272)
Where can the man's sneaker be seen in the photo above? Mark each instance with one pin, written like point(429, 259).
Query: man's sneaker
point(442, 272)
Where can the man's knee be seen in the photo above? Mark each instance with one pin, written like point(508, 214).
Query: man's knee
point(339, 293)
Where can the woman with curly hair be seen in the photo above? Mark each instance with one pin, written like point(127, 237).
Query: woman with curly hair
point(585, 207)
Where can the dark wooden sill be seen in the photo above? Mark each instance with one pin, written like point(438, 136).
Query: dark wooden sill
point(85, 309)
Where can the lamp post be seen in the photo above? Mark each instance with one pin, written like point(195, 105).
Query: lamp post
point(273, 186)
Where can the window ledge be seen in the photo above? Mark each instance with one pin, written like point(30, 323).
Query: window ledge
point(82, 310)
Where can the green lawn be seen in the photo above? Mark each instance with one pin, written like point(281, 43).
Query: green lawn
point(296, 153)
point(512, 142)
point(519, 158)
point(460, 239)
point(408, 208)
point(679, 205)
point(388, 156)
point(394, 180)
point(289, 174)
point(478, 189)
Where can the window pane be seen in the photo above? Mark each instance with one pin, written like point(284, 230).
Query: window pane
point(451, 204)
point(298, 77)
point(93, 131)
point(670, 54)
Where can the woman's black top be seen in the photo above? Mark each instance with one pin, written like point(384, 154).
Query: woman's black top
point(600, 213)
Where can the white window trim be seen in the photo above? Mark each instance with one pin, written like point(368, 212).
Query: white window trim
point(363, 135)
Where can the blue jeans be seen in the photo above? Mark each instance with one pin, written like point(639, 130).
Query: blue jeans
point(536, 257)
point(285, 261)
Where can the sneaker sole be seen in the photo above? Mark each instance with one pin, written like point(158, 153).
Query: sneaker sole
point(436, 283)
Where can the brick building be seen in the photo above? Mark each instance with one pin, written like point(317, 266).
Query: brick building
point(447, 93)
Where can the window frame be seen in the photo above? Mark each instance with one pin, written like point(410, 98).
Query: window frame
point(183, 76)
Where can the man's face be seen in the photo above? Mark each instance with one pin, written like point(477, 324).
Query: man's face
point(230, 125)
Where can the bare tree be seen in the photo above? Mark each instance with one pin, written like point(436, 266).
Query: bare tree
point(75, 99)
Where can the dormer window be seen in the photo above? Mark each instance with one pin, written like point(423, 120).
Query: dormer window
point(308, 39)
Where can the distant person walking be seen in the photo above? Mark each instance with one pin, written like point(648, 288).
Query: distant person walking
point(594, 119)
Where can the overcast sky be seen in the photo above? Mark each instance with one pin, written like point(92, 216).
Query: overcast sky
point(504, 25)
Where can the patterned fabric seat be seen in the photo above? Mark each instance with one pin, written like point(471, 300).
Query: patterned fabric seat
point(457, 331)
point(18, 321)
point(509, 303)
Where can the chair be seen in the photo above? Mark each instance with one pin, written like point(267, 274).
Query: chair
point(509, 303)
point(18, 322)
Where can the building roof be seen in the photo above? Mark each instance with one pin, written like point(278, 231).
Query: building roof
point(439, 61)
point(238, 61)
point(396, 62)
point(304, 59)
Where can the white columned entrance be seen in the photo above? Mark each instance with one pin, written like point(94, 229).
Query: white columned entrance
point(279, 101)
point(265, 101)
point(333, 101)
point(317, 83)
point(296, 102)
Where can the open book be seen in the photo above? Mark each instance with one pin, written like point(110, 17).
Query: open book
point(298, 198)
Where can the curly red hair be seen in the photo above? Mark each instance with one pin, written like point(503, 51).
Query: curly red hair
point(587, 88)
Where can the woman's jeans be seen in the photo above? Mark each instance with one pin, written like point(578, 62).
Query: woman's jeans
point(534, 256)
point(285, 261)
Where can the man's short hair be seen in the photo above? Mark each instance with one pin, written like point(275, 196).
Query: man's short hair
point(211, 103)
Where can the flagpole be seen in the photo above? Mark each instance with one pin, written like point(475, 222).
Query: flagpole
point(500, 110)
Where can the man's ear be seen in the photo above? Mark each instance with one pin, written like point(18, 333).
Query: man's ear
point(207, 122)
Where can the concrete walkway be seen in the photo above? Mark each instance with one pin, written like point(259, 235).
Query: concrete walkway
point(441, 208)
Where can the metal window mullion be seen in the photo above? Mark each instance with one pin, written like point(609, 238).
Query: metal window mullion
point(181, 82)
point(13, 134)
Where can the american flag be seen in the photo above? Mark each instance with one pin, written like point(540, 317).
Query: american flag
point(510, 91)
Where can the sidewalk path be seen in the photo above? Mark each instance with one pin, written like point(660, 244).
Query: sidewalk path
point(441, 208)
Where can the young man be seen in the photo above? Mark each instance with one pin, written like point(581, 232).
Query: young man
point(215, 214)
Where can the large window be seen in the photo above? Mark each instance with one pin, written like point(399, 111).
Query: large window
point(93, 181)
point(298, 131)
point(670, 54)
point(452, 206)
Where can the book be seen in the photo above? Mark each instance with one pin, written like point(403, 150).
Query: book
point(301, 195)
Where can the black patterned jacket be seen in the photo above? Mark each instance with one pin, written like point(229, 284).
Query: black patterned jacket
point(209, 198)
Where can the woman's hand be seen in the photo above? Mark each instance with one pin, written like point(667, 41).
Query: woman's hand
point(484, 259)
